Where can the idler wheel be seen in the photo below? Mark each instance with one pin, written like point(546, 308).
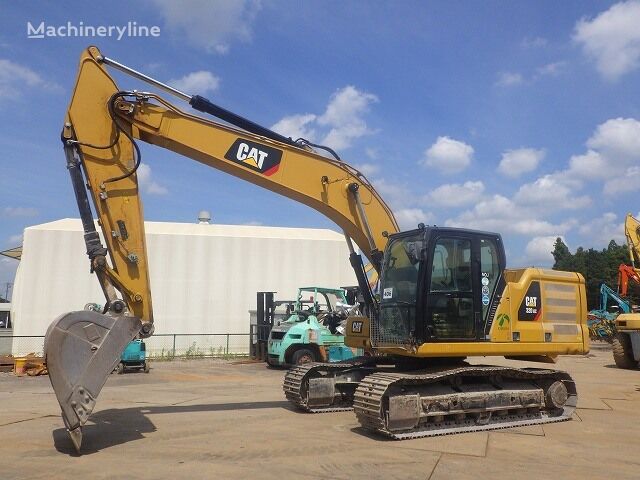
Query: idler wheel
point(556, 395)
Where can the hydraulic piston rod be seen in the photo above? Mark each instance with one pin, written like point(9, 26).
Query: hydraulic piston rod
point(201, 104)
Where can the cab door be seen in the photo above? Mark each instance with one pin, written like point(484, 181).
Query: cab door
point(453, 302)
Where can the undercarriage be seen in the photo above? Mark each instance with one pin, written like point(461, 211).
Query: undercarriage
point(434, 401)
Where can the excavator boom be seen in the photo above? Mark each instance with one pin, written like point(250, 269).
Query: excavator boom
point(632, 232)
point(630, 272)
point(626, 344)
point(626, 273)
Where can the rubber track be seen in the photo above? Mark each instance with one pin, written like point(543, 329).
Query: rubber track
point(296, 378)
point(371, 392)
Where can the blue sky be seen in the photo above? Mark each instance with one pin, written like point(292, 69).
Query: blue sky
point(517, 117)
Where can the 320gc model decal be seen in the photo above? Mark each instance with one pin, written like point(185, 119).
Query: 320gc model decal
point(255, 156)
point(531, 306)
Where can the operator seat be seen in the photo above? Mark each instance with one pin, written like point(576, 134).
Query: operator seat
point(405, 280)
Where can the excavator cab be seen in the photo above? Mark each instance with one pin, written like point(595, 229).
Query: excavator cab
point(438, 284)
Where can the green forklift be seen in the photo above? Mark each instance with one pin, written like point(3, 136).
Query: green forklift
point(134, 357)
point(314, 332)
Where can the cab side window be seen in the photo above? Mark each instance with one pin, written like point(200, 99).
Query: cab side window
point(490, 271)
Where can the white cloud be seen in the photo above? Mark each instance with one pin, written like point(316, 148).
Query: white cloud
point(601, 230)
point(367, 169)
point(16, 78)
point(618, 138)
point(590, 165)
point(222, 49)
point(344, 117)
point(500, 214)
point(538, 250)
point(210, 24)
point(402, 201)
point(18, 212)
point(397, 195)
point(372, 153)
point(613, 154)
point(612, 39)
point(341, 123)
point(448, 155)
point(512, 79)
point(196, 83)
point(522, 160)
point(409, 218)
point(509, 79)
point(554, 190)
point(629, 183)
point(296, 126)
point(15, 239)
point(147, 184)
point(551, 69)
point(455, 194)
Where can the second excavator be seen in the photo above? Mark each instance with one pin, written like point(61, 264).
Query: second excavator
point(626, 343)
point(445, 293)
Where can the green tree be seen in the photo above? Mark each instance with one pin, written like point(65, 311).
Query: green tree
point(562, 256)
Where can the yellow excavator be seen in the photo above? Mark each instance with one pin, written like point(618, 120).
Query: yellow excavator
point(626, 343)
point(444, 293)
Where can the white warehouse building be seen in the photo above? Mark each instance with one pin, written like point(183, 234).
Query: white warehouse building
point(204, 277)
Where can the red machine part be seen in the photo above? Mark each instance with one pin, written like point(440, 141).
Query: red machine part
point(625, 273)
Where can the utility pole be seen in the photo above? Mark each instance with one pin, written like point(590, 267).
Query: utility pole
point(8, 287)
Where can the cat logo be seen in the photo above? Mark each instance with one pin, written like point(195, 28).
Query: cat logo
point(356, 326)
point(257, 157)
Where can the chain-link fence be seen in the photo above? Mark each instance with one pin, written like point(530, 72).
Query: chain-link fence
point(197, 345)
point(160, 346)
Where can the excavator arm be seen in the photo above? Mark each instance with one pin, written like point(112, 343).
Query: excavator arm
point(100, 134)
point(626, 273)
point(630, 272)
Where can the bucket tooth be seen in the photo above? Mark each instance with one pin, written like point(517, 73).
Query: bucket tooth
point(81, 349)
point(76, 437)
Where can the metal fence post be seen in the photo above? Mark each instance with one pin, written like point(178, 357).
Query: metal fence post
point(251, 352)
point(174, 344)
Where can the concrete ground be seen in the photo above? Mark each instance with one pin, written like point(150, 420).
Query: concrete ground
point(215, 419)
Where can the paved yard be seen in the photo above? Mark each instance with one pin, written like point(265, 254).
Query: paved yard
point(214, 419)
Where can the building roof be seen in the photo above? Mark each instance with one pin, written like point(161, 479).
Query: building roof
point(210, 230)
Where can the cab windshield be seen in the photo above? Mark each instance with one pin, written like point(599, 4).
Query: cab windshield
point(399, 286)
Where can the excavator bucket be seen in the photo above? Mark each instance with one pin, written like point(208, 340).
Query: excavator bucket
point(81, 349)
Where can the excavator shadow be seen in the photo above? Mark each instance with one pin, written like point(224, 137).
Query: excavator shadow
point(371, 435)
point(115, 426)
